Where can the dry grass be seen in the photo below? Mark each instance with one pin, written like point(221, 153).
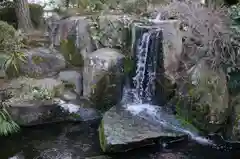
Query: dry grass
point(206, 33)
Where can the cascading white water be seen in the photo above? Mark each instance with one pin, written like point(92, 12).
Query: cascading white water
point(144, 80)
point(142, 50)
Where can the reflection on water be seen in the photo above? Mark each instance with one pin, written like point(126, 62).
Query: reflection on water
point(78, 141)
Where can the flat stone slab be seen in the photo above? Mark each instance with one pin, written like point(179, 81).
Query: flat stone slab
point(126, 129)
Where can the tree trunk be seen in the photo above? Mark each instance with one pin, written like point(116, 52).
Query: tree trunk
point(23, 15)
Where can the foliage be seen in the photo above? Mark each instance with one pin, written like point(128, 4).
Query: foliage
point(128, 6)
point(7, 13)
point(8, 38)
point(205, 104)
point(70, 52)
point(107, 32)
point(206, 34)
point(42, 94)
point(10, 46)
point(135, 6)
point(7, 125)
point(13, 63)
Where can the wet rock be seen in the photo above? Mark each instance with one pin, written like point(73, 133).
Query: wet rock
point(42, 61)
point(171, 156)
point(126, 129)
point(73, 78)
point(103, 77)
point(79, 111)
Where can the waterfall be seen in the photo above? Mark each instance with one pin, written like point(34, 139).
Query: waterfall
point(138, 100)
point(144, 80)
point(143, 90)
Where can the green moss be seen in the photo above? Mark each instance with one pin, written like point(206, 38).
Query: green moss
point(102, 139)
point(69, 85)
point(70, 52)
point(128, 65)
point(75, 116)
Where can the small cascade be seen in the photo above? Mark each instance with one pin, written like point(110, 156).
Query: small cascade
point(146, 67)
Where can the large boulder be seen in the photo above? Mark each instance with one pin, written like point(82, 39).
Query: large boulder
point(41, 61)
point(205, 101)
point(136, 126)
point(103, 77)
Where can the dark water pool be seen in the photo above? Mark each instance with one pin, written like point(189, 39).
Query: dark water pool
point(79, 141)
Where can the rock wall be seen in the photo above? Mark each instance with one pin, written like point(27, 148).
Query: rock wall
point(109, 32)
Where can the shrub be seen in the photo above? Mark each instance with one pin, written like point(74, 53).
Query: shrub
point(7, 37)
point(7, 125)
point(7, 13)
point(206, 34)
point(11, 43)
point(71, 53)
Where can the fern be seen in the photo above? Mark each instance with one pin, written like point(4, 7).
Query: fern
point(7, 125)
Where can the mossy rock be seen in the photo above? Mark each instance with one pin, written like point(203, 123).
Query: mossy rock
point(107, 91)
point(121, 131)
point(102, 139)
point(26, 90)
point(197, 111)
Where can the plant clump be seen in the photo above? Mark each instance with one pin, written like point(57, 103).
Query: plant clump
point(7, 125)
point(8, 38)
point(71, 53)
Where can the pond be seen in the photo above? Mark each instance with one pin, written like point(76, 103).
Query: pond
point(80, 141)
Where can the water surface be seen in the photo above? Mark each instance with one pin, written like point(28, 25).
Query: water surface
point(79, 141)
